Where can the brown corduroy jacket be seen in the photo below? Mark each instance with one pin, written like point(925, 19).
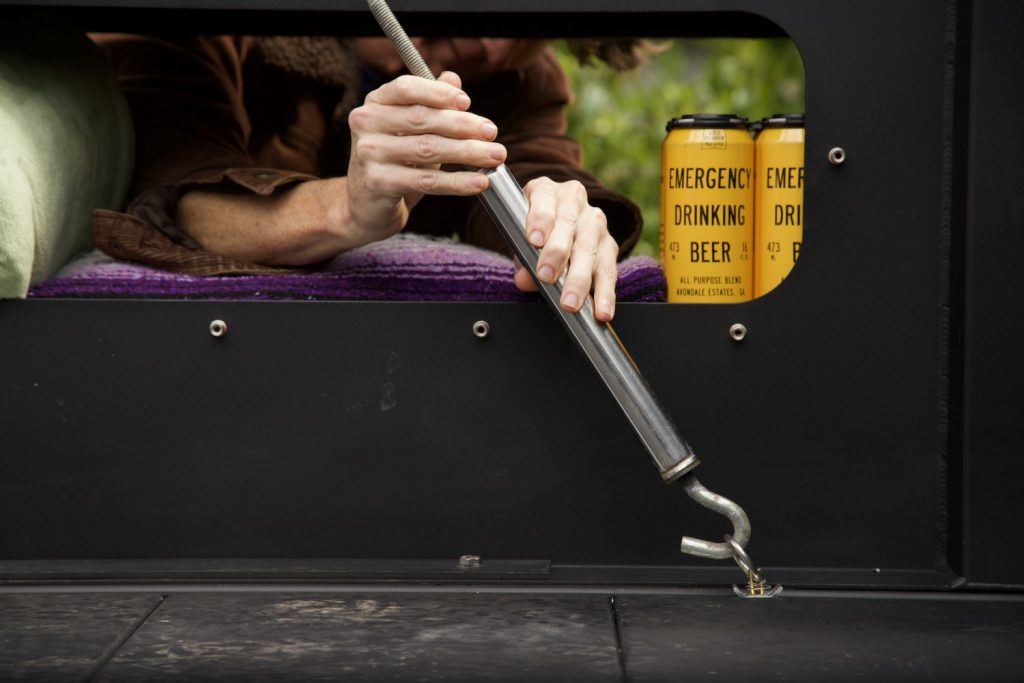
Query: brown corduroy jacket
point(245, 114)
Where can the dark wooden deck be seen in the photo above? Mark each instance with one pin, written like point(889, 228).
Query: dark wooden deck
point(417, 633)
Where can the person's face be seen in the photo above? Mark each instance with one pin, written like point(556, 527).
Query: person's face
point(471, 58)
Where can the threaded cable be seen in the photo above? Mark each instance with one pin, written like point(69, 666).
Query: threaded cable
point(406, 50)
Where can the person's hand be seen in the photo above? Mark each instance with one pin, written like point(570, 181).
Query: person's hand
point(568, 230)
point(401, 135)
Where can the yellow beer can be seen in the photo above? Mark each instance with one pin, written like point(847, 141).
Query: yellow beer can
point(779, 200)
point(707, 209)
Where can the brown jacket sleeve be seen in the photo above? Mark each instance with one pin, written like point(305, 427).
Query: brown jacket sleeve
point(528, 107)
point(192, 129)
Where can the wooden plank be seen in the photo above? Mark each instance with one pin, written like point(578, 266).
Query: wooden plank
point(65, 636)
point(823, 637)
point(369, 636)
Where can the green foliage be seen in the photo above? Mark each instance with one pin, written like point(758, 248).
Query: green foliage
point(619, 118)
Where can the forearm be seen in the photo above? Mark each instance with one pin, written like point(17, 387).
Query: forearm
point(303, 224)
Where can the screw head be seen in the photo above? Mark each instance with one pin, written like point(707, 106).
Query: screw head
point(218, 328)
point(738, 332)
point(481, 328)
point(836, 156)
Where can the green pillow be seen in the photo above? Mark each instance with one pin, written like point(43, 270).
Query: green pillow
point(66, 145)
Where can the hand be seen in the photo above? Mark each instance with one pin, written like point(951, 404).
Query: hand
point(570, 231)
point(401, 135)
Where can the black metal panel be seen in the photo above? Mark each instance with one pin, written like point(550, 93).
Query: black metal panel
point(994, 374)
point(128, 432)
point(248, 571)
point(737, 18)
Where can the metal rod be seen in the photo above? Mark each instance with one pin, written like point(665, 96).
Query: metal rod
point(506, 203)
point(411, 57)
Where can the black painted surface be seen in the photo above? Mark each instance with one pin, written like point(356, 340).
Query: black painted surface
point(803, 637)
point(128, 432)
point(371, 637)
point(994, 377)
point(276, 443)
point(64, 636)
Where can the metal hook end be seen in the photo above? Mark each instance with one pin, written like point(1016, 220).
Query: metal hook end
point(723, 506)
point(733, 545)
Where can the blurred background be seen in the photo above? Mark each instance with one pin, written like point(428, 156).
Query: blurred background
point(620, 118)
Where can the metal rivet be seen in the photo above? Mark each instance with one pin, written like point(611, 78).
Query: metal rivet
point(218, 328)
point(469, 561)
point(836, 156)
point(481, 328)
point(738, 332)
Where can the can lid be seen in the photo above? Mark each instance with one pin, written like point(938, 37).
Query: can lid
point(707, 121)
point(783, 121)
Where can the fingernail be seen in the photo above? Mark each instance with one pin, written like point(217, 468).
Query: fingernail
point(604, 310)
point(489, 131)
point(462, 100)
point(537, 238)
point(480, 181)
point(570, 300)
point(547, 273)
point(498, 153)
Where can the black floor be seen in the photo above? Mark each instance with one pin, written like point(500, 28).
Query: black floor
point(487, 634)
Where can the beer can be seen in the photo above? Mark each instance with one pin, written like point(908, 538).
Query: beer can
point(779, 200)
point(707, 209)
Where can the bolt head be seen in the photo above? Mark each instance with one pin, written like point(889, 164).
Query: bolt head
point(467, 561)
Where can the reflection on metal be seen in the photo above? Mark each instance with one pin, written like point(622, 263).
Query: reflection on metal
point(836, 156)
point(738, 332)
point(469, 561)
point(481, 328)
point(218, 328)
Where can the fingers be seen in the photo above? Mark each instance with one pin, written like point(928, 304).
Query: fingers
point(428, 150)
point(605, 275)
point(444, 93)
point(574, 240)
point(394, 181)
point(419, 119)
point(552, 222)
point(408, 128)
point(410, 105)
point(522, 278)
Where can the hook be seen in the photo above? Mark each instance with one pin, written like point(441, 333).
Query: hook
point(734, 543)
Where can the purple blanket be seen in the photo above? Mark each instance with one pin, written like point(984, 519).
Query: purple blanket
point(403, 268)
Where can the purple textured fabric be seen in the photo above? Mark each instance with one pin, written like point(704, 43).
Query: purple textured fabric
point(403, 268)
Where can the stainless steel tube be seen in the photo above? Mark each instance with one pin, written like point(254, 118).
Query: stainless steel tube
point(505, 202)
